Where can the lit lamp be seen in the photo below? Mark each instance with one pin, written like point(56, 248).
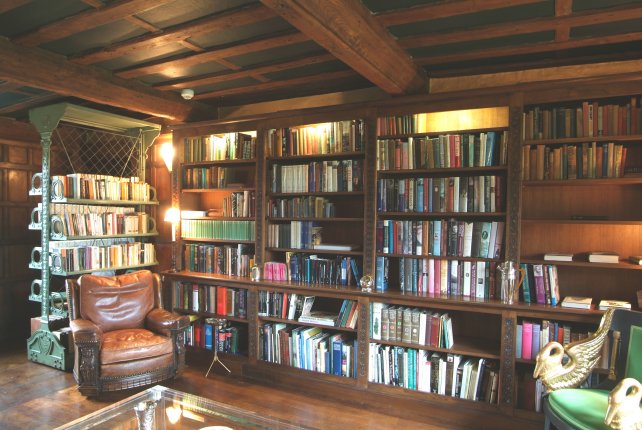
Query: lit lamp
point(173, 215)
point(167, 154)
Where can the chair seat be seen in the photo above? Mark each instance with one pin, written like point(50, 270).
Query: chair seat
point(582, 409)
point(133, 344)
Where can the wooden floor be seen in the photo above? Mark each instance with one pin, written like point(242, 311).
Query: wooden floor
point(34, 396)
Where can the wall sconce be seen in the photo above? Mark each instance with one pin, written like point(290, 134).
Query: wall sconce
point(173, 216)
point(167, 154)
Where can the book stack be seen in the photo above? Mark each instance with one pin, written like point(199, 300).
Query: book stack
point(442, 152)
point(451, 375)
point(452, 194)
point(211, 299)
point(540, 284)
point(575, 302)
point(608, 304)
point(411, 325)
point(604, 257)
point(308, 348)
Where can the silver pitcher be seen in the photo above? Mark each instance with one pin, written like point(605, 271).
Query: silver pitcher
point(511, 278)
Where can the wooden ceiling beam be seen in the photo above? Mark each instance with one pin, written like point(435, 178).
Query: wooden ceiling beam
point(463, 57)
point(41, 69)
point(523, 27)
point(563, 8)
point(268, 86)
point(444, 9)
point(37, 100)
point(349, 31)
point(227, 76)
point(86, 20)
point(7, 5)
point(138, 22)
point(245, 47)
point(210, 24)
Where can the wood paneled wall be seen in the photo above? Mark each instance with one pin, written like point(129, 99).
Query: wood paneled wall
point(19, 160)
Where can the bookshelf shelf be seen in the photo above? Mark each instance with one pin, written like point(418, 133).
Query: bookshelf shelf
point(240, 162)
point(622, 265)
point(464, 171)
point(434, 134)
point(583, 182)
point(614, 138)
point(320, 193)
point(315, 251)
point(104, 202)
point(324, 220)
point(468, 346)
point(206, 240)
point(106, 236)
point(299, 323)
point(313, 157)
point(214, 190)
point(80, 272)
point(209, 315)
point(459, 215)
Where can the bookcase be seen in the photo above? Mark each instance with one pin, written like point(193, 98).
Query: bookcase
point(92, 212)
point(437, 200)
point(217, 195)
point(580, 194)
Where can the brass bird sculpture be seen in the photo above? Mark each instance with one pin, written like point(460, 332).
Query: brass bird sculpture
point(624, 412)
point(583, 356)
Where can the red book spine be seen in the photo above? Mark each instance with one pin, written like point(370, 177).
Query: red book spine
point(221, 300)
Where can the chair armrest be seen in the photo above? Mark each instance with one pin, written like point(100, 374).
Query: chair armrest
point(164, 322)
point(85, 331)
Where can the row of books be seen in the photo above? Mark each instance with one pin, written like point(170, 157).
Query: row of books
point(99, 187)
point(235, 260)
point(583, 161)
point(452, 194)
point(309, 348)
point(213, 177)
point(410, 325)
point(590, 119)
point(75, 220)
point(325, 138)
point(451, 375)
point(228, 146)
point(71, 256)
point(212, 299)
point(541, 284)
point(531, 336)
point(437, 277)
point(240, 204)
point(443, 152)
point(301, 207)
point(296, 307)
point(318, 176)
point(440, 238)
point(401, 124)
point(202, 334)
point(294, 234)
point(218, 229)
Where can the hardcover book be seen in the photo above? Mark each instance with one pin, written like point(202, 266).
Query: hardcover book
point(603, 257)
point(558, 256)
point(577, 302)
point(607, 304)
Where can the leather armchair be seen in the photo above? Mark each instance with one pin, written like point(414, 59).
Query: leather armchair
point(608, 405)
point(122, 336)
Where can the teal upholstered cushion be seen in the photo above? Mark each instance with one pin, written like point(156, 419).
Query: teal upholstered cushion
point(581, 408)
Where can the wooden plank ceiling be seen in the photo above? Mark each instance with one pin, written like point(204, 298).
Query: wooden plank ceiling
point(137, 55)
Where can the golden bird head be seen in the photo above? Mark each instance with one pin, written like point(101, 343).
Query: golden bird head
point(624, 410)
point(548, 358)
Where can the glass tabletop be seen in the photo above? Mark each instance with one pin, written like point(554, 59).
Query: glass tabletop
point(163, 408)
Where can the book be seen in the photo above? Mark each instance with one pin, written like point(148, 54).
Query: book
point(558, 256)
point(319, 317)
point(607, 304)
point(603, 257)
point(577, 302)
point(334, 247)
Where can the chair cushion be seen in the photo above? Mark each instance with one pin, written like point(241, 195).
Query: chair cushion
point(133, 344)
point(117, 302)
point(582, 408)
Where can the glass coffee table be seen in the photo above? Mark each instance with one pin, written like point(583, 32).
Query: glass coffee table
point(163, 408)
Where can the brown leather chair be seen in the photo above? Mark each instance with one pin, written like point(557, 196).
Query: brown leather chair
point(123, 338)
